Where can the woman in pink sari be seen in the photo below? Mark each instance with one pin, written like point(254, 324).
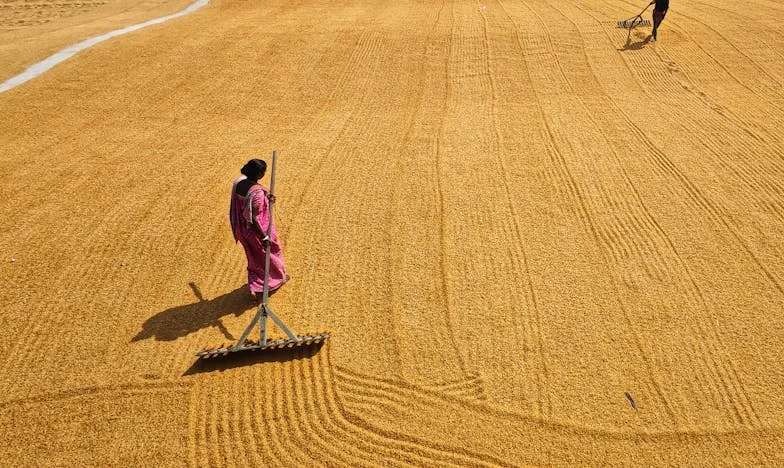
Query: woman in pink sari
point(249, 214)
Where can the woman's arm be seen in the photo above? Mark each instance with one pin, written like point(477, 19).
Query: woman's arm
point(256, 226)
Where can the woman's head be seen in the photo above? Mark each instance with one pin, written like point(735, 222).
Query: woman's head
point(254, 169)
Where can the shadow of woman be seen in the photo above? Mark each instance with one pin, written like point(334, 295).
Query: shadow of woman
point(185, 319)
point(635, 45)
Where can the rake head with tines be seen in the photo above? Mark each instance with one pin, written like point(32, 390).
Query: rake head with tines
point(250, 345)
point(633, 23)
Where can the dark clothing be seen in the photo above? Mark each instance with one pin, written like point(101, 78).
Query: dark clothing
point(658, 17)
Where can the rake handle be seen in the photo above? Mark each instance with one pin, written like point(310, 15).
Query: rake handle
point(265, 293)
point(631, 20)
point(644, 9)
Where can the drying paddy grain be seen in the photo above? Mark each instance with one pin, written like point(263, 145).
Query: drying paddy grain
point(534, 237)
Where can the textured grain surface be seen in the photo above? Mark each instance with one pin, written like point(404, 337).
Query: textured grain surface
point(534, 239)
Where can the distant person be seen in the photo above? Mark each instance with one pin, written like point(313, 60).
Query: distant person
point(659, 11)
point(249, 214)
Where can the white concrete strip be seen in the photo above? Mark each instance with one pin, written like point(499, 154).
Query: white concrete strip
point(47, 63)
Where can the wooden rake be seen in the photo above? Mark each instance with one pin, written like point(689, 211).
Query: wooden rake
point(264, 312)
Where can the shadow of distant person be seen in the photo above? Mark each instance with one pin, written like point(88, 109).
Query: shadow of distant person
point(185, 319)
point(635, 45)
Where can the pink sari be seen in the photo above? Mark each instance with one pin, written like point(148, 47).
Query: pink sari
point(240, 214)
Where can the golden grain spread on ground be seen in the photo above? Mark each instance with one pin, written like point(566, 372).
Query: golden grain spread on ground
point(535, 237)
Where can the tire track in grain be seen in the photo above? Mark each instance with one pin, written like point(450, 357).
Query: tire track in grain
point(495, 271)
point(769, 200)
point(367, 48)
point(760, 81)
point(426, 340)
point(348, 152)
point(696, 71)
point(723, 368)
point(764, 55)
point(702, 202)
point(520, 255)
point(720, 368)
point(698, 66)
point(617, 233)
point(607, 237)
point(521, 89)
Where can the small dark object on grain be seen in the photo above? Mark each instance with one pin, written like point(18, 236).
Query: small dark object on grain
point(631, 400)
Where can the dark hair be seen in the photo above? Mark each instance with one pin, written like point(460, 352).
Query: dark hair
point(254, 169)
